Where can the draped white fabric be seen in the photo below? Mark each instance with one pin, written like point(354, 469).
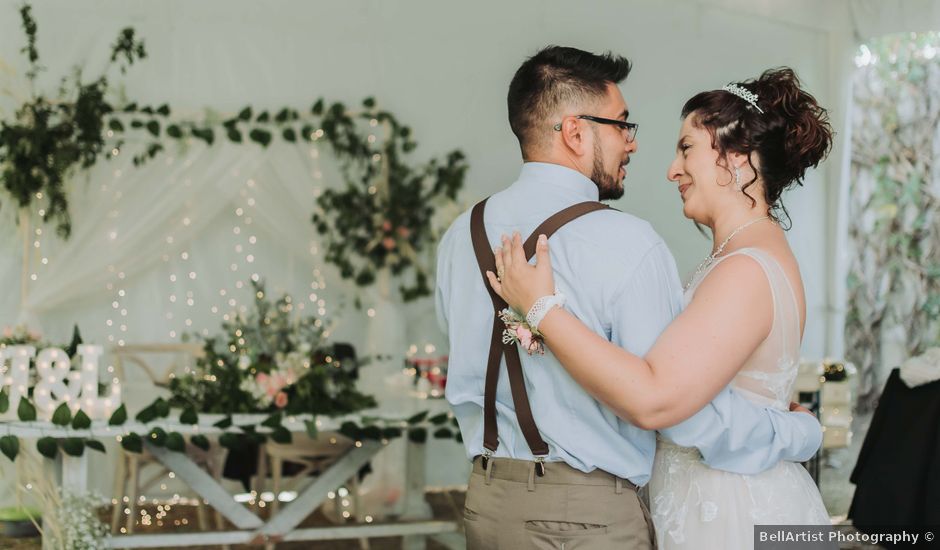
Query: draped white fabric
point(202, 220)
point(170, 247)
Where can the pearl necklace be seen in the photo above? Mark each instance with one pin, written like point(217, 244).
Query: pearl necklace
point(714, 255)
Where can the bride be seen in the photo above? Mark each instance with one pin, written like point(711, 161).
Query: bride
point(739, 148)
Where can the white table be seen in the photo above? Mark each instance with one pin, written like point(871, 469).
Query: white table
point(417, 519)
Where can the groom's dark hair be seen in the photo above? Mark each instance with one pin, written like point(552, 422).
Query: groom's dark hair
point(554, 77)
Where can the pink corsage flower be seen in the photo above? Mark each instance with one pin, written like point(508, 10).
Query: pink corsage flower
point(519, 332)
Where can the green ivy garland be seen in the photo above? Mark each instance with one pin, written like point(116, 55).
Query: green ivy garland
point(417, 428)
point(380, 220)
point(49, 139)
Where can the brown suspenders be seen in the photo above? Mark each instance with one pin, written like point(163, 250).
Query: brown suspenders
point(498, 349)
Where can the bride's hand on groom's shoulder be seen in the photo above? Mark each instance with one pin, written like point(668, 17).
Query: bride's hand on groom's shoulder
point(515, 280)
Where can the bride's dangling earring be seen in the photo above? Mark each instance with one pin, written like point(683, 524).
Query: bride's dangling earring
point(737, 179)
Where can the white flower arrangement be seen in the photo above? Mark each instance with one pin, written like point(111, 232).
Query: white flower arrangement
point(79, 525)
point(69, 521)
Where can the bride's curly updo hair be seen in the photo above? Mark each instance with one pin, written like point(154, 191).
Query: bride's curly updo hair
point(791, 135)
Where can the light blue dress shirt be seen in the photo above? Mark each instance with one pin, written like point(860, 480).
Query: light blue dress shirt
point(621, 281)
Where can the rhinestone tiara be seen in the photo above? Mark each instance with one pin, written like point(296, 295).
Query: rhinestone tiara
point(744, 94)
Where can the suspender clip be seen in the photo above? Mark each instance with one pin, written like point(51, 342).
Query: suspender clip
point(485, 460)
point(540, 465)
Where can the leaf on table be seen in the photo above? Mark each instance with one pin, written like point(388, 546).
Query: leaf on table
point(10, 446)
point(81, 421)
point(132, 443)
point(73, 446)
point(200, 441)
point(175, 442)
point(118, 417)
point(26, 411)
point(47, 447)
point(62, 415)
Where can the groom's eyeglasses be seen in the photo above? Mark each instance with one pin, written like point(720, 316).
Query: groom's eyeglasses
point(628, 128)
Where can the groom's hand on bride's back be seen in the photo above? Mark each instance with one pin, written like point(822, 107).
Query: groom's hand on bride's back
point(796, 407)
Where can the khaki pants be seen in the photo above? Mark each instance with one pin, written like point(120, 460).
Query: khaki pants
point(510, 508)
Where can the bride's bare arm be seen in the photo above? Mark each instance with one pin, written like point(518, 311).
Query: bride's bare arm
point(692, 360)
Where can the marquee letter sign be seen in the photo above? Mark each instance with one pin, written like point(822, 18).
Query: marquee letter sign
point(56, 382)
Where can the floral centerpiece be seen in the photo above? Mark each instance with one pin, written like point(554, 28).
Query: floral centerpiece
point(19, 335)
point(270, 360)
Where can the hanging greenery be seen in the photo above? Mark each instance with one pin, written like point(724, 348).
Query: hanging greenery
point(50, 138)
point(381, 219)
point(894, 205)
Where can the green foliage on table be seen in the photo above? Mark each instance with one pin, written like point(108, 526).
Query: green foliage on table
point(81, 421)
point(62, 415)
point(157, 437)
point(47, 447)
point(119, 416)
point(25, 410)
point(10, 446)
point(132, 442)
point(189, 416)
point(200, 441)
point(175, 442)
point(270, 339)
point(73, 446)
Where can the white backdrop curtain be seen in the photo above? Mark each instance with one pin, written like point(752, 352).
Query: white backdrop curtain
point(170, 247)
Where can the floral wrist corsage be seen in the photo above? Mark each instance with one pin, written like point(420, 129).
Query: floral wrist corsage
point(518, 331)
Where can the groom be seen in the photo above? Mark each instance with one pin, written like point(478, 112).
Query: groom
point(551, 465)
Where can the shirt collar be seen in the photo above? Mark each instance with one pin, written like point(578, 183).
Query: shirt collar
point(539, 175)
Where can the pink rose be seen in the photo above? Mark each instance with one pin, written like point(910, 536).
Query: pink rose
point(261, 379)
point(7, 332)
point(280, 400)
point(386, 226)
point(403, 232)
point(525, 336)
point(388, 243)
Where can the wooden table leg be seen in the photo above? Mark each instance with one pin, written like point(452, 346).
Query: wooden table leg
point(416, 506)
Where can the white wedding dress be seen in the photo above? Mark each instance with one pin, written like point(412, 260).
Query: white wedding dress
point(697, 507)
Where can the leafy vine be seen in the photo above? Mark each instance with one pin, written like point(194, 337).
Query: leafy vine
point(381, 219)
